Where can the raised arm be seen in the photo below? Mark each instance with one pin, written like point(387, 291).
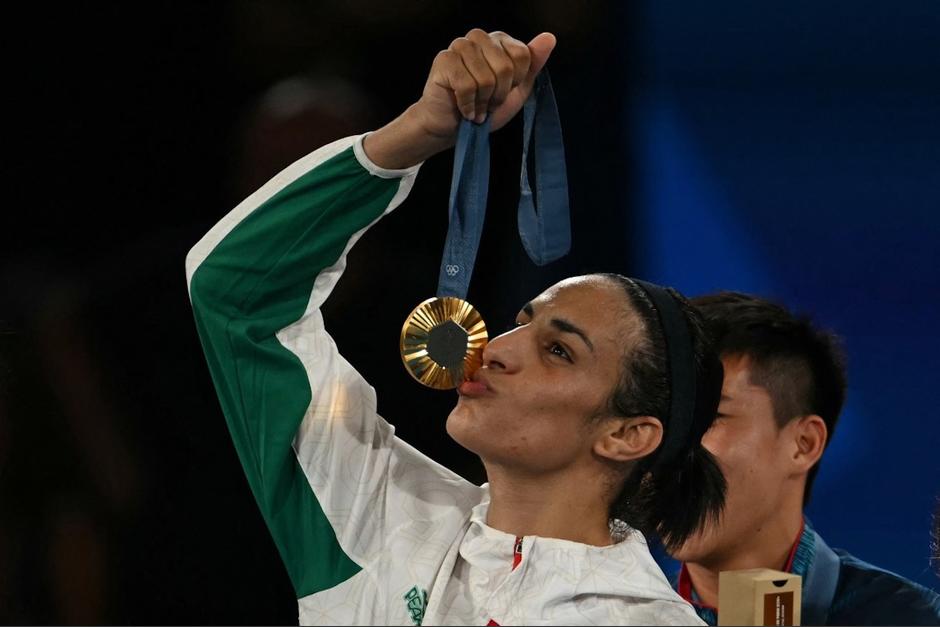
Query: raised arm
point(256, 282)
point(327, 472)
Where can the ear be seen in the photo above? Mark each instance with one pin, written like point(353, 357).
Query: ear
point(626, 439)
point(809, 437)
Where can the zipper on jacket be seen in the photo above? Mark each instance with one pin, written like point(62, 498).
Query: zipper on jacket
point(516, 560)
point(517, 552)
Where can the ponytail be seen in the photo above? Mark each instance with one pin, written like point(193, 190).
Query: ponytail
point(676, 501)
point(687, 494)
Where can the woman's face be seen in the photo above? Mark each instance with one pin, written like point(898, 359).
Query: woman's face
point(543, 381)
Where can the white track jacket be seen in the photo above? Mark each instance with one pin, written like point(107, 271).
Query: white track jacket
point(371, 531)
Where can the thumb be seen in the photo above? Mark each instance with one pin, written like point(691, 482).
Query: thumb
point(540, 48)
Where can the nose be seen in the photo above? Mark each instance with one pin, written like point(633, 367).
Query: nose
point(503, 352)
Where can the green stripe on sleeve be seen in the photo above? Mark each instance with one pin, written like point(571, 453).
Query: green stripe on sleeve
point(255, 282)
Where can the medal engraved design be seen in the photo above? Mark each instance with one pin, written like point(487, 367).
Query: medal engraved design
point(442, 342)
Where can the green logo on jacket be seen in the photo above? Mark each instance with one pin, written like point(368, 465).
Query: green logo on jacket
point(417, 600)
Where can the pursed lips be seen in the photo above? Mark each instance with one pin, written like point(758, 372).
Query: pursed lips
point(477, 385)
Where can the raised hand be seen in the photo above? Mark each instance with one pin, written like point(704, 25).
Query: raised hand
point(479, 74)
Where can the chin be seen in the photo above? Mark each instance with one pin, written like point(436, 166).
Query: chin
point(688, 552)
point(459, 425)
point(467, 425)
point(697, 548)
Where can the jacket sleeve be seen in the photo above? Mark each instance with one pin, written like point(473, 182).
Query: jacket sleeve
point(329, 476)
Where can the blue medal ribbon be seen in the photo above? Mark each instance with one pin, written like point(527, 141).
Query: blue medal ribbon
point(544, 220)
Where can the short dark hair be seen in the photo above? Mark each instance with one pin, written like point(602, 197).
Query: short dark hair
point(671, 498)
point(801, 366)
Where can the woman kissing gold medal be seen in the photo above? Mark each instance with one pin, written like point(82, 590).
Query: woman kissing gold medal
point(443, 338)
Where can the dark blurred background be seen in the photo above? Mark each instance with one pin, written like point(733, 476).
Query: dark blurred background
point(789, 149)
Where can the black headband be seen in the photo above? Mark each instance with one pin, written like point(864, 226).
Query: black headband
point(682, 379)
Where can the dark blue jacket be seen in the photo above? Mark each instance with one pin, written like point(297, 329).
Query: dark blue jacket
point(839, 589)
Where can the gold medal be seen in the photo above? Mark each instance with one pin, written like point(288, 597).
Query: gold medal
point(442, 342)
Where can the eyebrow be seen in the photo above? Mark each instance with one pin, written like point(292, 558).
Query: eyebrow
point(562, 325)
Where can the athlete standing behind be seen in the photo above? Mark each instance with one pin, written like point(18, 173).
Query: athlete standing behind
point(570, 414)
point(784, 387)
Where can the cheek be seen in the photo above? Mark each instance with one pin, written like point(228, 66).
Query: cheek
point(742, 455)
point(747, 458)
point(467, 421)
point(576, 396)
point(481, 424)
point(536, 436)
